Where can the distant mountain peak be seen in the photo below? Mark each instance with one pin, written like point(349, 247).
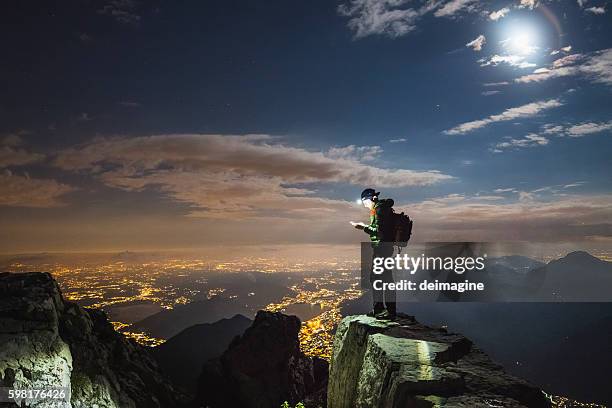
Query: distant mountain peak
point(182, 356)
point(578, 253)
point(581, 256)
point(238, 316)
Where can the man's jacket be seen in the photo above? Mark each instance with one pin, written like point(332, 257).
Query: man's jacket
point(381, 222)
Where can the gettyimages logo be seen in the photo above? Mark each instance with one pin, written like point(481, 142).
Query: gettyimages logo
point(412, 264)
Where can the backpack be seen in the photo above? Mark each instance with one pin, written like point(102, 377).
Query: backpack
point(395, 228)
point(402, 226)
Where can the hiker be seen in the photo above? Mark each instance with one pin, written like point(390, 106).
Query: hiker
point(382, 236)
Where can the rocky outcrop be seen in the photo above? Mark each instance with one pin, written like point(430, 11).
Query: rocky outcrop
point(263, 368)
point(48, 342)
point(402, 363)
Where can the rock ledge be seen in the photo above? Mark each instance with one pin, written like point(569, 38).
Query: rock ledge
point(402, 363)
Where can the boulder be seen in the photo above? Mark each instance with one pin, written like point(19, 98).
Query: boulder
point(263, 368)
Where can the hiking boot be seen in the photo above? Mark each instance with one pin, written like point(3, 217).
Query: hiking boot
point(384, 315)
point(378, 309)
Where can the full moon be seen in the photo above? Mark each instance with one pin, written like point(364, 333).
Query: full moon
point(521, 40)
point(522, 44)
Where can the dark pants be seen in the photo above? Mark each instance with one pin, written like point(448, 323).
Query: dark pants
point(383, 298)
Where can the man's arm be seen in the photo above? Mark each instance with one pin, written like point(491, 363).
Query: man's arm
point(372, 229)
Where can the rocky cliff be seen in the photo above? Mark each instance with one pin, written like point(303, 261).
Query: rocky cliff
point(46, 341)
point(406, 364)
point(263, 368)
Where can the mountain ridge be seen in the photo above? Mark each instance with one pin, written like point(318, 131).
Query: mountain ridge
point(182, 356)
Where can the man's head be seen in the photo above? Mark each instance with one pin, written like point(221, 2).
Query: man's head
point(369, 196)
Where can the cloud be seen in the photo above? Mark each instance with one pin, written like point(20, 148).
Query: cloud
point(23, 191)
point(11, 139)
point(595, 67)
point(513, 60)
point(489, 93)
point(496, 15)
point(596, 10)
point(399, 140)
point(395, 18)
point(488, 197)
point(517, 50)
point(577, 130)
point(528, 110)
point(530, 4)
point(598, 67)
point(564, 49)
point(575, 184)
point(453, 7)
point(531, 140)
point(352, 152)
point(121, 10)
point(567, 61)
point(529, 217)
point(545, 189)
point(12, 155)
point(503, 83)
point(379, 17)
point(477, 43)
point(525, 196)
point(550, 129)
point(588, 128)
point(225, 176)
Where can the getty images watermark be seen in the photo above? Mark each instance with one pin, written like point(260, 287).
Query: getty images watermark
point(412, 264)
point(479, 272)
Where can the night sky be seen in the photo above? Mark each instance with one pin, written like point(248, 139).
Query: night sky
point(158, 125)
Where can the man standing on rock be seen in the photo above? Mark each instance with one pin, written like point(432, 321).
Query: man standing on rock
point(381, 232)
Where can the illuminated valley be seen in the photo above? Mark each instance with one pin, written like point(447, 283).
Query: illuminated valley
point(316, 335)
point(120, 287)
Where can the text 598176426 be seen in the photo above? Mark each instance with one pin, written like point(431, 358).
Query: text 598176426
point(12, 394)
